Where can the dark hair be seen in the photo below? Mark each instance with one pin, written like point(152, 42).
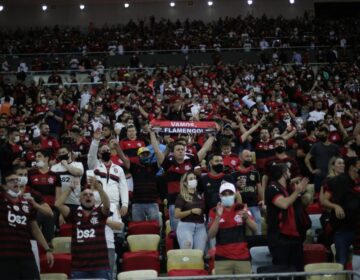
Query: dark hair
point(211, 156)
point(280, 138)
point(7, 173)
point(67, 147)
point(352, 161)
point(277, 170)
point(225, 142)
point(45, 152)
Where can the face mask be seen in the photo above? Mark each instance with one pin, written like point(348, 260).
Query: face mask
point(22, 131)
point(105, 156)
point(23, 180)
point(322, 138)
point(236, 104)
point(258, 99)
point(17, 139)
point(40, 163)
point(43, 101)
point(218, 168)
point(192, 184)
point(279, 150)
point(247, 163)
point(145, 160)
point(13, 194)
point(227, 201)
point(226, 100)
point(206, 101)
point(63, 157)
point(87, 208)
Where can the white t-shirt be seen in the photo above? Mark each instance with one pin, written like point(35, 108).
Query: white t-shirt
point(315, 116)
point(66, 180)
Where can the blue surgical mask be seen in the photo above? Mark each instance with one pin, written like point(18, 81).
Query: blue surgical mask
point(228, 201)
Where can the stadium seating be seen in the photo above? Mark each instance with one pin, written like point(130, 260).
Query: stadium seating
point(62, 245)
point(53, 276)
point(314, 253)
point(144, 227)
point(184, 259)
point(260, 256)
point(327, 268)
point(137, 275)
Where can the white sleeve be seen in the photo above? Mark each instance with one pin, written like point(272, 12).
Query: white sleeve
point(92, 155)
point(124, 191)
point(248, 102)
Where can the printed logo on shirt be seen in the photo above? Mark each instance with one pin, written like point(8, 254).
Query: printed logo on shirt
point(187, 167)
point(16, 219)
point(238, 219)
point(16, 208)
point(25, 208)
point(51, 180)
point(94, 220)
point(50, 143)
point(84, 234)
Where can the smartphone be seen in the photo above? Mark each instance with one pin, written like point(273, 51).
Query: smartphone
point(90, 173)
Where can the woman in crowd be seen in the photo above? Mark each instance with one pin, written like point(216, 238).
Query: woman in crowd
point(189, 208)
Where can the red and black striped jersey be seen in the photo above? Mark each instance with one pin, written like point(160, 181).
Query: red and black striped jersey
point(174, 171)
point(130, 148)
point(263, 150)
point(45, 184)
point(88, 243)
point(15, 228)
point(230, 238)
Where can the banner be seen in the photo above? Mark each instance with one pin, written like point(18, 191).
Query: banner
point(183, 127)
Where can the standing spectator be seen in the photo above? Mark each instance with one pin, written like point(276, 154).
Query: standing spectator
point(110, 175)
point(321, 152)
point(344, 188)
point(48, 184)
point(47, 141)
point(286, 218)
point(175, 165)
point(68, 169)
point(18, 227)
point(247, 181)
point(227, 222)
point(11, 151)
point(88, 243)
point(189, 209)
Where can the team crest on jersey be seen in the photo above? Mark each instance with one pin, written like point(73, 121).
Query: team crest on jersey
point(25, 208)
point(81, 147)
point(139, 144)
point(79, 214)
point(233, 162)
point(252, 177)
point(51, 180)
point(187, 167)
point(115, 170)
point(94, 220)
point(16, 208)
point(238, 218)
point(50, 143)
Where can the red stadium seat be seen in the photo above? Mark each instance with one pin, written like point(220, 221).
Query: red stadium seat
point(211, 254)
point(66, 230)
point(62, 264)
point(144, 227)
point(141, 260)
point(314, 253)
point(187, 272)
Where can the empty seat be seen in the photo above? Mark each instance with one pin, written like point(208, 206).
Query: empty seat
point(185, 259)
point(314, 253)
point(147, 242)
point(138, 275)
point(144, 227)
point(53, 276)
point(62, 264)
point(62, 245)
point(326, 269)
point(260, 256)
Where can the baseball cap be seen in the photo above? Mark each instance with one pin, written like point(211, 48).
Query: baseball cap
point(142, 150)
point(227, 187)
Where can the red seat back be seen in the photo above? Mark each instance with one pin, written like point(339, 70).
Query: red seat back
point(144, 227)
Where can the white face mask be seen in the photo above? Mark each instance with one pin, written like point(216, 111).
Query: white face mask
point(192, 184)
point(40, 163)
point(13, 194)
point(23, 180)
point(17, 139)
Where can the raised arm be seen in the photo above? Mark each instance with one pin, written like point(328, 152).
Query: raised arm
point(247, 133)
point(94, 147)
point(105, 209)
point(114, 144)
point(206, 147)
point(60, 202)
point(154, 142)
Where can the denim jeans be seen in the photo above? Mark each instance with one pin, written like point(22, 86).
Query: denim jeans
point(145, 212)
point(356, 265)
point(255, 211)
point(191, 235)
point(343, 240)
point(173, 221)
point(112, 260)
point(99, 274)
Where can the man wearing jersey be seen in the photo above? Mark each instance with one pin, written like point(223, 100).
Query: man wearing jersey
point(88, 242)
point(247, 181)
point(17, 227)
point(227, 222)
point(68, 169)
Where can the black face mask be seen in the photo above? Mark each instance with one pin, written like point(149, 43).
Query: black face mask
point(105, 156)
point(218, 168)
point(279, 149)
point(87, 208)
point(322, 138)
point(247, 163)
point(354, 147)
point(63, 157)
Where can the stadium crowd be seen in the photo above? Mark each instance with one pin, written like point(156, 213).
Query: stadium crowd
point(79, 151)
